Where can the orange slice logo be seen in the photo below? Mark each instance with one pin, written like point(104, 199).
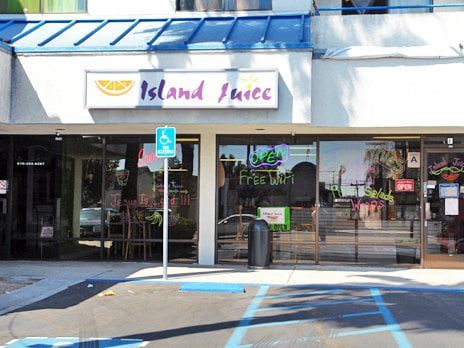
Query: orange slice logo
point(114, 88)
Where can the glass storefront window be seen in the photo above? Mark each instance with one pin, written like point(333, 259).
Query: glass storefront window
point(134, 199)
point(347, 4)
point(20, 6)
point(223, 5)
point(273, 178)
point(81, 197)
point(42, 6)
point(369, 195)
point(63, 6)
point(93, 197)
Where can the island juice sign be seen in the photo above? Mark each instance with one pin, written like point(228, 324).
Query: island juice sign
point(183, 89)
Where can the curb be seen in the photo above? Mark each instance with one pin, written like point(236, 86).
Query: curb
point(306, 286)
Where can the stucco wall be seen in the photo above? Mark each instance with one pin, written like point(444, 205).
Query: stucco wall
point(388, 93)
point(162, 7)
point(388, 30)
point(50, 89)
point(5, 86)
point(133, 7)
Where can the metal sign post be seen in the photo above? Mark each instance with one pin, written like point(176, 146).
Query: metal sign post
point(165, 148)
point(165, 218)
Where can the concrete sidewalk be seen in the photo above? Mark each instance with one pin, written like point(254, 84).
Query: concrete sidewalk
point(57, 276)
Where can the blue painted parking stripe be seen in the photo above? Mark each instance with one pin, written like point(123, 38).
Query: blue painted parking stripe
point(305, 321)
point(315, 305)
point(302, 294)
point(363, 332)
point(241, 329)
point(213, 287)
point(395, 328)
point(305, 339)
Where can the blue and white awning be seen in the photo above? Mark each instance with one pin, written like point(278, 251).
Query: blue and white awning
point(146, 34)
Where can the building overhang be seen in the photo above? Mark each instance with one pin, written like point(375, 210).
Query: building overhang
point(289, 31)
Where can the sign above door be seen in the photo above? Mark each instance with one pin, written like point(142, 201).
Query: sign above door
point(182, 89)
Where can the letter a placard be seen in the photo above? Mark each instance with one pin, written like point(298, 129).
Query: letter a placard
point(165, 148)
point(414, 160)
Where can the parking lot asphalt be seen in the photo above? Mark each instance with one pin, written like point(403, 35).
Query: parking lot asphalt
point(134, 314)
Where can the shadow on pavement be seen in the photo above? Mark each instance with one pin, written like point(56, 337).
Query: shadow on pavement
point(415, 312)
point(70, 297)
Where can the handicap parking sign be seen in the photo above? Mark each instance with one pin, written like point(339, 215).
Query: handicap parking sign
point(165, 142)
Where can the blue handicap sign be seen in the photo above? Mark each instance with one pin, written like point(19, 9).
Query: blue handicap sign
point(73, 342)
point(165, 142)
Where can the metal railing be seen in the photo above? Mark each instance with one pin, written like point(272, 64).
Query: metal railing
point(318, 10)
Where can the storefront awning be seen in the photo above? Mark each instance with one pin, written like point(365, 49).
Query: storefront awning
point(205, 33)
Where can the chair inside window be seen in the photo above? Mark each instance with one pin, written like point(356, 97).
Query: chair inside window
point(136, 232)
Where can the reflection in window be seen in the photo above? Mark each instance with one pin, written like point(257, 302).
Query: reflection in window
point(363, 3)
point(381, 4)
point(369, 194)
point(81, 203)
point(113, 207)
point(63, 6)
point(42, 6)
point(273, 179)
point(223, 5)
point(134, 199)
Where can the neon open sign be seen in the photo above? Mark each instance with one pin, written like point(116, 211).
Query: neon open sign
point(269, 156)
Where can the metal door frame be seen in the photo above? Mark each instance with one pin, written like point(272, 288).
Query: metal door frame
point(430, 260)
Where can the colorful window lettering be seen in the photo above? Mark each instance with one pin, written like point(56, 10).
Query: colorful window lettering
point(269, 156)
point(385, 158)
point(368, 194)
point(271, 180)
point(449, 170)
point(133, 194)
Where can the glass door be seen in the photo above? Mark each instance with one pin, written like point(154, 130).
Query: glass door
point(4, 142)
point(444, 209)
point(36, 197)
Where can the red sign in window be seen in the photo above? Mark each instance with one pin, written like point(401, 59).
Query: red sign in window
point(404, 185)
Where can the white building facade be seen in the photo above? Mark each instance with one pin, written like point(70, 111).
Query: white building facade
point(343, 132)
